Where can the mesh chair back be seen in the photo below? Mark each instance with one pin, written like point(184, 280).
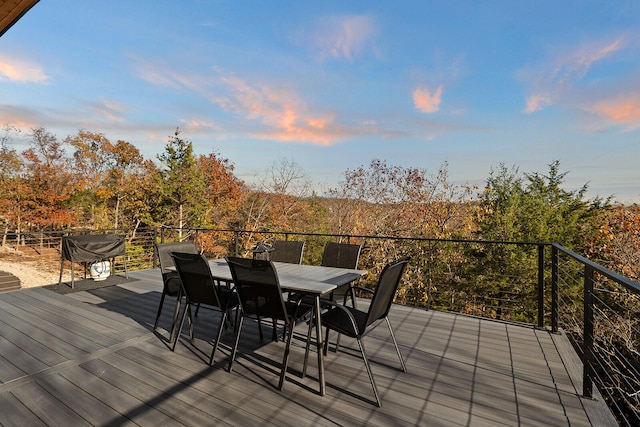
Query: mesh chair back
point(386, 290)
point(197, 282)
point(258, 289)
point(287, 251)
point(342, 255)
point(163, 250)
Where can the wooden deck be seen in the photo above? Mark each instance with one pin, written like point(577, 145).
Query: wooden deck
point(91, 358)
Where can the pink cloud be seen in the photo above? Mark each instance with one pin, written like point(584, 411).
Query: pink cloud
point(426, 101)
point(622, 110)
point(276, 113)
point(18, 70)
point(284, 115)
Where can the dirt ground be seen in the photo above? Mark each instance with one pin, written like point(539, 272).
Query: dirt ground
point(31, 272)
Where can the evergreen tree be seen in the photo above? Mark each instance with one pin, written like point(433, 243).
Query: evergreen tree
point(182, 185)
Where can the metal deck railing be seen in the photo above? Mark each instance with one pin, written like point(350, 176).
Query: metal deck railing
point(536, 283)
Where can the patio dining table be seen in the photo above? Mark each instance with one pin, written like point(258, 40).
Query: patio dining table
point(312, 280)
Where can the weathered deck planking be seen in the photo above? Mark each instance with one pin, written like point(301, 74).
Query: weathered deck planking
point(92, 358)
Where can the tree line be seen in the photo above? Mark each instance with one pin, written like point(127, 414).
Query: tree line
point(87, 181)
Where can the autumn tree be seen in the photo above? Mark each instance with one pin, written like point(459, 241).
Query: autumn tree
point(130, 185)
point(277, 202)
point(224, 193)
point(11, 183)
point(405, 202)
point(92, 160)
point(396, 200)
point(618, 246)
point(48, 183)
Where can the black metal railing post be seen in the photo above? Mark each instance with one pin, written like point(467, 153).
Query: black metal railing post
point(541, 285)
point(555, 260)
point(154, 262)
point(587, 351)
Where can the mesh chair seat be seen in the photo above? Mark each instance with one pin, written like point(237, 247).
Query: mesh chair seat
point(348, 322)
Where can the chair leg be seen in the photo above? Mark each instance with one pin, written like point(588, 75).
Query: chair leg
point(235, 344)
point(393, 337)
point(191, 326)
point(184, 315)
point(176, 314)
point(285, 359)
point(366, 364)
point(306, 350)
point(218, 336)
point(326, 343)
point(155, 325)
point(260, 328)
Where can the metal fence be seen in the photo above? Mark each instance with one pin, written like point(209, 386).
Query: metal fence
point(535, 283)
point(599, 310)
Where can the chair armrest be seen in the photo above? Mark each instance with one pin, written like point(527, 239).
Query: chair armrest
point(371, 291)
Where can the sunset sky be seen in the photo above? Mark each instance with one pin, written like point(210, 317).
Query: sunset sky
point(332, 85)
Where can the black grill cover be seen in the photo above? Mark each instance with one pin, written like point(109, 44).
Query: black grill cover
point(92, 247)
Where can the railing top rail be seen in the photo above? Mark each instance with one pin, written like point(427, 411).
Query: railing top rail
point(381, 236)
point(618, 278)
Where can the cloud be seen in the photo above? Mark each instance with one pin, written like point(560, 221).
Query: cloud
point(426, 101)
point(537, 102)
point(110, 110)
point(23, 118)
point(270, 112)
point(344, 37)
point(161, 74)
point(621, 110)
point(199, 126)
point(18, 70)
point(285, 117)
point(552, 82)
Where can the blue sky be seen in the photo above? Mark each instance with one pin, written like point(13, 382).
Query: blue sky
point(332, 85)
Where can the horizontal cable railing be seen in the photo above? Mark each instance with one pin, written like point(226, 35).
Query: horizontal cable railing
point(598, 309)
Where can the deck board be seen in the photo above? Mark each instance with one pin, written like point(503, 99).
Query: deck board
point(92, 358)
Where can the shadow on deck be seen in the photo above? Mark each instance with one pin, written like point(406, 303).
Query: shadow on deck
point(92, 358)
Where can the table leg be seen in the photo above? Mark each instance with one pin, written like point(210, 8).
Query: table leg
point(319, 345)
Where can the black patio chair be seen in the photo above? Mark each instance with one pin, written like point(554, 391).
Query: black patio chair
point(199, 287)
point(171, 278)
point(342, 255)
point(260, 295)
point(287, 251)
point(356, 323)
